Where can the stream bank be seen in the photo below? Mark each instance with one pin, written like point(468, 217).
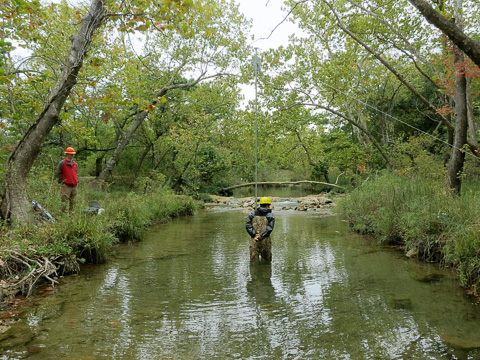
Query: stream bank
point(189, 291)
point(44, 251)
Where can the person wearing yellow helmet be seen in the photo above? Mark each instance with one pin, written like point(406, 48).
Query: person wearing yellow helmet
point(259, 225)
point(67, 176)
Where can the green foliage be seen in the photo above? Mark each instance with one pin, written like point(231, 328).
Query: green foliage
point(399, 209)
point(463, 253)
point(131, 214)
point(418, 213)
point(90, 238)
point(154, 183)
point(462, 249)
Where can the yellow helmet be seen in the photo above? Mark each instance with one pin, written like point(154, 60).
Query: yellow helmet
point(265, 200)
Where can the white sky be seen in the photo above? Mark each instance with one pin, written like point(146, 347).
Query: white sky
point(266, 15)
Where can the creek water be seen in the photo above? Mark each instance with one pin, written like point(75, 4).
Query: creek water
point(188, 291)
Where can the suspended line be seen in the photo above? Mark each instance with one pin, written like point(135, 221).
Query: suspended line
point(400, 121)
point(391, 116)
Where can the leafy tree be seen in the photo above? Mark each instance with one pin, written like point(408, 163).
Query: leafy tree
point(14, 198)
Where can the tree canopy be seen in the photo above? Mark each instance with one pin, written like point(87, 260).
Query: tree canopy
point(153, 89)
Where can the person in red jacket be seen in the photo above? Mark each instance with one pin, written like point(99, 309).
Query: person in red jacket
point(67, 176)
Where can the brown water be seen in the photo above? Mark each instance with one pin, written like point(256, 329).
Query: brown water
point(188, 291)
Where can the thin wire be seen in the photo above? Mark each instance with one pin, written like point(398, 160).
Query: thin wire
point(349, 96)
point(384, 113)
point(388, 115)
point(400, 121)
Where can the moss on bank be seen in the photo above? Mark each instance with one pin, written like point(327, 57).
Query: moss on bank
point(44, 250)
point(420, 214)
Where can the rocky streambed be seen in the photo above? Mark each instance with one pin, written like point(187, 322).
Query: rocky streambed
point(318, 202)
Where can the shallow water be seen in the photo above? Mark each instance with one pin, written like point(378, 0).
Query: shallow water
point(188, 291)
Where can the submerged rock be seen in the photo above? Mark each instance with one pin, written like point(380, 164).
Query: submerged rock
point(402, 304)
point(250, 202)
point(412, 253)
point(460, 343)
point(430, 278)
point(426, 275)
point(216, 199)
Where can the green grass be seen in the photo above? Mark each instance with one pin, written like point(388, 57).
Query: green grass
point(419, 213)
point(90, 238)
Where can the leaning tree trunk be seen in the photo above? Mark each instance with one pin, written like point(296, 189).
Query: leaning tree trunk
point(461, 127)
point(453, 30)
point(122, 144)
point(356, 124)
point(461, 108)
point(15, 202)
point(139, 117)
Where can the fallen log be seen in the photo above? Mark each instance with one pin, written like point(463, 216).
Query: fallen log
point(280, 183)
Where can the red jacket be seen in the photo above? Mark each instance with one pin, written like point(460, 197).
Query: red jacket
point(67, 173)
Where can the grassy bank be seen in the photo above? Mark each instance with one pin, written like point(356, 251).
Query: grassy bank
point(421, 215)
point(44, 249)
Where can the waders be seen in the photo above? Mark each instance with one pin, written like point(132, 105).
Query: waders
point(260, 247)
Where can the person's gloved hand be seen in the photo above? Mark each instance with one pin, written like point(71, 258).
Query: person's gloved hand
point(258, 237)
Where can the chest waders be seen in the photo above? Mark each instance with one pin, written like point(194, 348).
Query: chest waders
point(260, 247)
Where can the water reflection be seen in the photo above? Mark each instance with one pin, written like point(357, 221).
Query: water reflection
point(189, 291)
point(260, 285)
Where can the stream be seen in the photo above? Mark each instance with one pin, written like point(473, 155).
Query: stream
point(188, 291)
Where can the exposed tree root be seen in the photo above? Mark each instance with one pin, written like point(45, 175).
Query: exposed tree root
point(20, 274)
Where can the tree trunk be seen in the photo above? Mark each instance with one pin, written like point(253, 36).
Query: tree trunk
point(144, 155)
point(159, 161)
point(448, 153)
point(280, 183)
point(122, 144)
point(461, 108)
point(140, 116)
point(310, 160)
point(15, 202)
point(472, 126)
point(448, 27)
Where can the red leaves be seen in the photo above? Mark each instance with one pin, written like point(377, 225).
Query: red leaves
point(445, 110)
point(106, 117)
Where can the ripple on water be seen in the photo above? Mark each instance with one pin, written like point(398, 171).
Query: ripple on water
point(188, 291)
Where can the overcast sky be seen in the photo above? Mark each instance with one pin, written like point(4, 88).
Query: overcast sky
point(266, 15)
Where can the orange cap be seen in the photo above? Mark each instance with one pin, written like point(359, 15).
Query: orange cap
point(70, 150)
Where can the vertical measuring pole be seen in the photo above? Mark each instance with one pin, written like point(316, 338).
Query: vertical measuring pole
point(256, 68)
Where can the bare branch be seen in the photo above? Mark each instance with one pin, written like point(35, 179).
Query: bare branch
point(284, 19)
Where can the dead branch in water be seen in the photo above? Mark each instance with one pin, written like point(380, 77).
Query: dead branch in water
point(32, 269)
point(280, 183)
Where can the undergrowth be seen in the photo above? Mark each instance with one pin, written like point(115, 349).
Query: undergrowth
point(89, 238)
point(419, 213)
